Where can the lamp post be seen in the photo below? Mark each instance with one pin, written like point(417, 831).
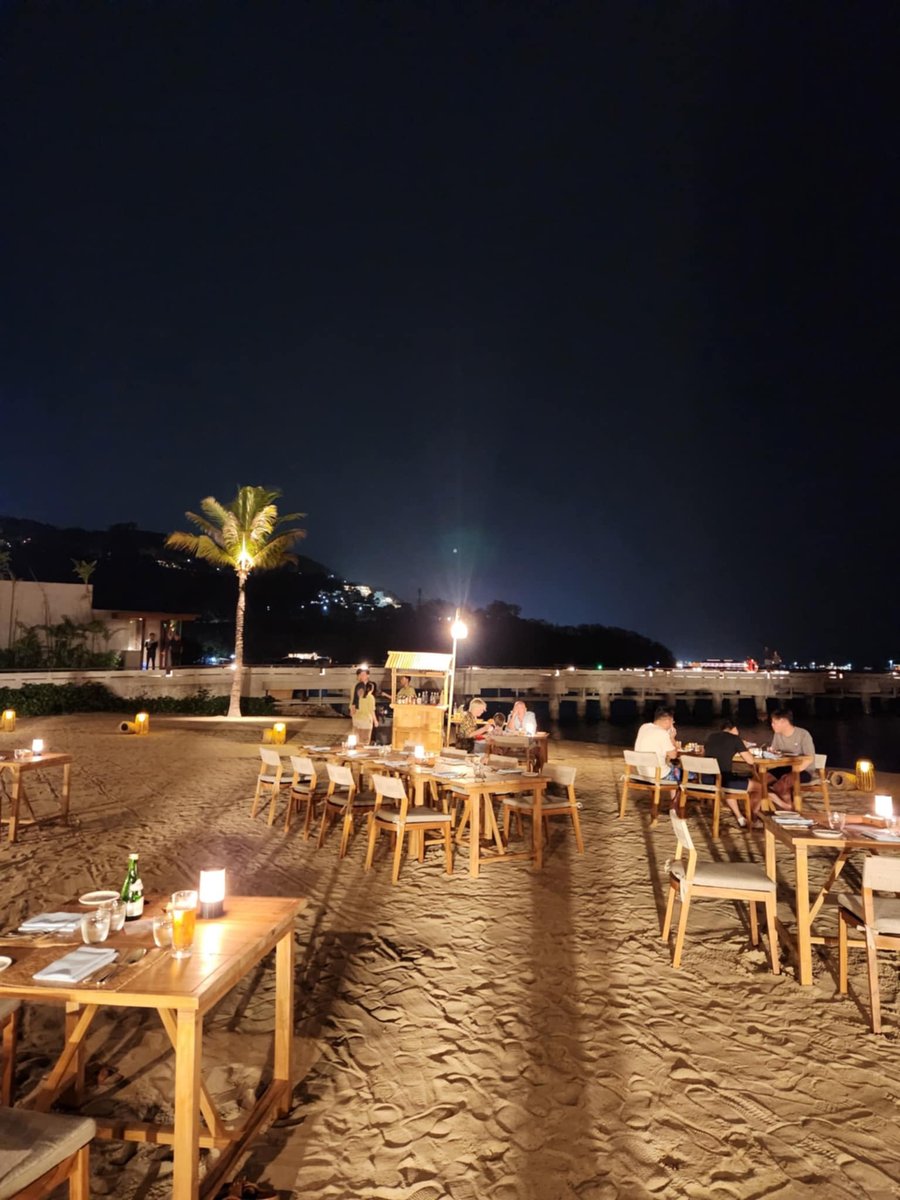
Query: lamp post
point(458, 630)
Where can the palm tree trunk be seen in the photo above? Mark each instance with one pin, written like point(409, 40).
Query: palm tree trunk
point(234, 703)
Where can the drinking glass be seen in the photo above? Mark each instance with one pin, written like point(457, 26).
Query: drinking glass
point(184, 921)
point(837, 820)
point(95, 926)
point(162, 931)
point(116, 909)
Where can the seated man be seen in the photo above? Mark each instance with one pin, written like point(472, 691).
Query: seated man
point(725, 745)
point(520, 720)
point(656, 737)
point(792, 742)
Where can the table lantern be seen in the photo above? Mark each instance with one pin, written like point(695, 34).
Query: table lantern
point(8, 723)
point(142, 723)
point(418, 753)
point(865, 775)
point(278, 733)
point(351, 741)
point(37, 747)
point(212, 894)
point(884, 806)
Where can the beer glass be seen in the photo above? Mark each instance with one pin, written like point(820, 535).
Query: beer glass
point(184, 920)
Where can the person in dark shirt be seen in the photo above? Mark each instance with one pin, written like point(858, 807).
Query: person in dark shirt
point(725, 745)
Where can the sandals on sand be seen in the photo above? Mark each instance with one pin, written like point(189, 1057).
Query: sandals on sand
point(242, 1189)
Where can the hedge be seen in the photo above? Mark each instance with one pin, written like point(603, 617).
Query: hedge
point(54, 699)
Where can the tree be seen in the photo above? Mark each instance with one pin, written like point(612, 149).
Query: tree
point(245, 536)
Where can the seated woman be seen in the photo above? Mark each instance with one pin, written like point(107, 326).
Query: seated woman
point(471, 722)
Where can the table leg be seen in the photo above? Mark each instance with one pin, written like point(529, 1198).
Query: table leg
point(537, 822)
point(188, 1050)
point(66, 790)
point(283, 1069)
point(804, 943)
point(475, 831)
point(770, 854)
point(14, 798)
point(76, 1078)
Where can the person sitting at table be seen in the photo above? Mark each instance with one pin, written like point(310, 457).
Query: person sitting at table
point(792, 742)
point(725, 745)
point(406, 693)
point(471, 722)
point(655, 737)
point(520, 720)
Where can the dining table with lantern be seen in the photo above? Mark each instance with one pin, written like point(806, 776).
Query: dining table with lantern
point(15, 764)
point(182, 990)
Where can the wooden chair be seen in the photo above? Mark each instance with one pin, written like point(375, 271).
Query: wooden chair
point(401, 820)
point(560, 802)
point(271, 777)
point(43, 1151)
point(10, 1013)
point(303, 787)
point(642, 770)
point(341, 800)
point(718, 880)
point(817, 788)
point(878, 918)
point(716, 792)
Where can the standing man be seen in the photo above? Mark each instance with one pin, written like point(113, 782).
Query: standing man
point(152, 645)
point(406, 693)
point(656, 737)
point(795, 743)
point(725, 745)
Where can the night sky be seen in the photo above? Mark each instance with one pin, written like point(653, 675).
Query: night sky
point(587, 307)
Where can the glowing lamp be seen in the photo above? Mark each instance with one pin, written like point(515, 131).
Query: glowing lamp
point(418, 753)
point(459, 630)
point(351, 741)
point(212, 894)
point(278, 733)
point(865, 775)
point(884, 806)
point(8, 723)
point(37, 747)
point(142, 723)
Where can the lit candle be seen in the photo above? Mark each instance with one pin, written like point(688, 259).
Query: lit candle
point(212, 894)
point(884, 806)
point(418, 752)
point(865, 775)
point(37, 746)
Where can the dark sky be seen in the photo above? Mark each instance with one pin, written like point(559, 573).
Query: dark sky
point(602, 296)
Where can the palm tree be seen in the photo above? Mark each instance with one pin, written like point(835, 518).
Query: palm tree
point(245, 536)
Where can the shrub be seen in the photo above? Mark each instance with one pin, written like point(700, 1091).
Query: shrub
point(55, 699)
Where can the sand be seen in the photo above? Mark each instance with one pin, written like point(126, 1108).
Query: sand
point(518, 1036)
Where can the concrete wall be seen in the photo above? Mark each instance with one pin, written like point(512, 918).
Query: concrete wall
point(30, 603)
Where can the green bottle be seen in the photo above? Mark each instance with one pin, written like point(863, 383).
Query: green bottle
point(133, 890)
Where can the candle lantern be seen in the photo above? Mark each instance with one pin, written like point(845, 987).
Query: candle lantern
point(142, 723)
point(418, 753)
point(37, 747)
point(212, 894)
point(278, 733)
point(8, 723)
point(351, 741)
point(884, 806)
point(865, 775)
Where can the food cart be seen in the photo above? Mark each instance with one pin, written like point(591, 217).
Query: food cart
point(417, 722)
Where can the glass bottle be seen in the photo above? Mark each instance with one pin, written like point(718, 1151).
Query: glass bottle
point(133, 890)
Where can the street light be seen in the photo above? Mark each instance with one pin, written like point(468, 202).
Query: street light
point(458, 630)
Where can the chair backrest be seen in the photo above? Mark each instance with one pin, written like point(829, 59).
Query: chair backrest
point(386, 785)
point(644, 761)
point(452, 752)
point(557, 773)
point(303, 766)
point(340, 776)
point(271, 758)
point(681, 831)
point(821, 760)
point(881, 874)
point(694, 765)
point(502, 760)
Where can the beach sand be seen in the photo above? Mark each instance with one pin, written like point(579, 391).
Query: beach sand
point(518, 1036)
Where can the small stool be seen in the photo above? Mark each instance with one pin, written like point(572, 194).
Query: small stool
point(39, 1151)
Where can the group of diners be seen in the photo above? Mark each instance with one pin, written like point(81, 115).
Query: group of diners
point(475, 729)
point(726, 745)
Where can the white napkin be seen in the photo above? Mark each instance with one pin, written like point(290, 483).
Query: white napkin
point(74, 967)
point(57, 922)
point(882, 835)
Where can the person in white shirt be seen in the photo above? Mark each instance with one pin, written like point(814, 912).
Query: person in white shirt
point(520, 720)
point(656, 737)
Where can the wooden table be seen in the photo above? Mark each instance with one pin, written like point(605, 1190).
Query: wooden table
point(532, 746)
point(762, 766)
point(225, 951)
point(17, 767)
point(801, 842)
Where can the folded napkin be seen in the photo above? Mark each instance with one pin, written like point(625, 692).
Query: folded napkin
point(56, 922)
point(882, 835)
point(320, 749)
point(77, 965)
point(509, 770)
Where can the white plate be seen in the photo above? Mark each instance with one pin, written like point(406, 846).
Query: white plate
point(5, 962)
point(827, 833)
point(95, 899)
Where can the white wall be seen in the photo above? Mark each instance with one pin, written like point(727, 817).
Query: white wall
point(48, 603)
